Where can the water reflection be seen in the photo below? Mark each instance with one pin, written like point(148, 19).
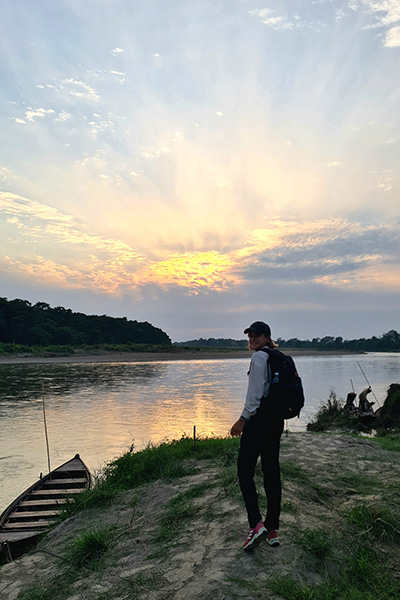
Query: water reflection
point(99, 410)
point(20, 383)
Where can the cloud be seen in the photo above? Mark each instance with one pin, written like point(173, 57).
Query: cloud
point(387, 14)
point(56, 247)
point(80, 89)
point(7, 175)
point(392, 39)
point(37, 113)
point(117, 51)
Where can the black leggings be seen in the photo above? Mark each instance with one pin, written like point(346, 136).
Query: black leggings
point(261, 437)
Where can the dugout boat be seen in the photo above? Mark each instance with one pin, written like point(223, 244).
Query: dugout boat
point(35, 509)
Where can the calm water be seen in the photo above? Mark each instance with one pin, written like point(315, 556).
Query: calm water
point(99, 410)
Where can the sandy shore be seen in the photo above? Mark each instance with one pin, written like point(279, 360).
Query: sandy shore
point(99, 357)
point(326, 478)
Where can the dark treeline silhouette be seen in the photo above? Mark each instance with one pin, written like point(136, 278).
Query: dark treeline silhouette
point(388, 342)
point(213, 343)
point(40, 325)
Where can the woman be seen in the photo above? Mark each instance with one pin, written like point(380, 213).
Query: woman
point(261, 429)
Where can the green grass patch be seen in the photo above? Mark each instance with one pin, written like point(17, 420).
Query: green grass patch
point(291, 471)
point(318, 542)
point(389, 442)
point(88, 548)
point(55, 588)
point(165, 461)
point(356, 481)
point(378, 522)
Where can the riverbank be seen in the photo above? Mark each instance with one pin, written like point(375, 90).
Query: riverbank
point(102, 357)
point(179, 535)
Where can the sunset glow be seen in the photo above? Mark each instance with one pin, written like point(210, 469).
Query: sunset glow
point(189, 165)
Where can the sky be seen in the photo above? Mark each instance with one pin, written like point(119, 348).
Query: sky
point(201, 165)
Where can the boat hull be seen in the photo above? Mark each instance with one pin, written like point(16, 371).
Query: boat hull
point(36, 509)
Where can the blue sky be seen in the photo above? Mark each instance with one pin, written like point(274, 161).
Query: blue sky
point(201, 165)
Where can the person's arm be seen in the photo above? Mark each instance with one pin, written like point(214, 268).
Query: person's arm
point(255, 390)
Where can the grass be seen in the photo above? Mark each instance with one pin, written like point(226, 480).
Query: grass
point(291, 471)
point(378, 522)
point(178, 513)
point(165, 461)
point(88, 548)
point(318, 542)
point(331, 416)
point(389, 442)
point(57, 588)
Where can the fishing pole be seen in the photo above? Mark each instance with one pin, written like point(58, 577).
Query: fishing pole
point(352, 385)
point(45, 428)
point(369, 385)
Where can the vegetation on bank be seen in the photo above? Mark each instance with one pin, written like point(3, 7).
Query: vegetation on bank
point(22, 323)
point(341, 539)
point(332, 415)
point(388, 342)
point(62, 350)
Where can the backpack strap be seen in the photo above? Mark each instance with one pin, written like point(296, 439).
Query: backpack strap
point(269, 369)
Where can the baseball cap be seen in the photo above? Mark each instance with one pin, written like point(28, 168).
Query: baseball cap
point(259, 327)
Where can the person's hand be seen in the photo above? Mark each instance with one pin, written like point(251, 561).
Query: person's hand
point(237, 428)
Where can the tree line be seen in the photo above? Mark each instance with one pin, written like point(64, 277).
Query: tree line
point(388, 342)
point(41, 325)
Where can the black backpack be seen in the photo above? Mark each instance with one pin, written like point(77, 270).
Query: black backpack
point(286, 393)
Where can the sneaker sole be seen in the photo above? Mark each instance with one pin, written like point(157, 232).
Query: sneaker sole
point(255, 541)
point(273, 543)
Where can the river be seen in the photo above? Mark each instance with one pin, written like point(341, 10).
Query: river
point(100, 409)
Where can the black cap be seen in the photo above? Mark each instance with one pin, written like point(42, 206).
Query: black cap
point(259, 327)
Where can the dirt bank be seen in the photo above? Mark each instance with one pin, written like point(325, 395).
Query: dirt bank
point(326, 476)
point(98, 357)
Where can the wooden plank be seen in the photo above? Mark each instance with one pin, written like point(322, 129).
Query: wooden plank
point(37, 514)
point(75, 464)
point(43, 502)
point(81, 481)
point(55, 492)
point(28, 525)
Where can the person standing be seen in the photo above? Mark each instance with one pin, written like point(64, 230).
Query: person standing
point(260, 428)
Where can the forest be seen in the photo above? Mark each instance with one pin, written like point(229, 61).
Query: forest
point(22, 323)
point(388, 342)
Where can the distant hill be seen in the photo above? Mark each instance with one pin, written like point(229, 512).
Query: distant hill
point(40, 325)
point(388, 342)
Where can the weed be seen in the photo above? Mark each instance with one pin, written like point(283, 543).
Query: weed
point(57, 587)
point(331, 415)
point(291, 471)
point(389, 442)
point(317, 541)
point(88, 549)
point(289, 507)
point(357, 482)
point(377, 522)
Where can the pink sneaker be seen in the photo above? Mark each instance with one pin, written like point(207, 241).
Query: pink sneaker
point(255, 536)
point(272, 538)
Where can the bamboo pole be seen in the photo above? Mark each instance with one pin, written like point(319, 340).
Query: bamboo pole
point(369, 385)
point(45, 428)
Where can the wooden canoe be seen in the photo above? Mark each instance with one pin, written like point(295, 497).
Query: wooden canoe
point(35, 509)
